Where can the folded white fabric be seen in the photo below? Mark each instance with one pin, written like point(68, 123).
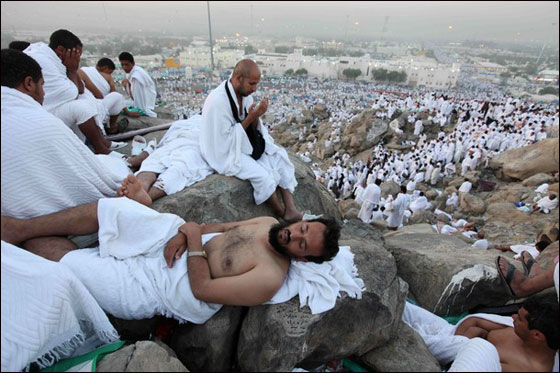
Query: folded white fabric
point(477, 355)
point(47, 313)
point(319, 285)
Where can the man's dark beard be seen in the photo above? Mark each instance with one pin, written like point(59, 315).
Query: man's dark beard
point(273, 239)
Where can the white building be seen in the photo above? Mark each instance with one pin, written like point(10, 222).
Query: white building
point(197, 57)
point(547, 76)
point(489, 71)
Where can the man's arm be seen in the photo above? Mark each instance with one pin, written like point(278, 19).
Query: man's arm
point(111, 82)
point(89, 84)
point(178, 244)
point(249, 289)
point(477, 326)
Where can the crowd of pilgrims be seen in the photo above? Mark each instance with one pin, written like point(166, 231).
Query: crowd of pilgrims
point(487, 122)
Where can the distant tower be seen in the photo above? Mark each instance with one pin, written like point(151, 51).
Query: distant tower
point(252, 30)
point(384, 28)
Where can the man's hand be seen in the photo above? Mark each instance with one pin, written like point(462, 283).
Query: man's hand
point(72, 59)
point(175, 248)
point(259, 110)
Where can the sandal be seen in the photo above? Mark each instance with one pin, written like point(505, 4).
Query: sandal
point(138, 144)
point(506, 280)
point(527, 264)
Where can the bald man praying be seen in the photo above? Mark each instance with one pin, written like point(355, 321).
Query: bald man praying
point(234, 142)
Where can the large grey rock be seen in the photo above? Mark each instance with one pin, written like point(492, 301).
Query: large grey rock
point(279, 337)
point(471, 204)
point(224, 198)
point(143, 356)
point(389, 187)
point(507, 225)
point(210, 346)
point(406, 352)
point(538, 179)
point(422, 216)
point(522, 163)
point(445, 274)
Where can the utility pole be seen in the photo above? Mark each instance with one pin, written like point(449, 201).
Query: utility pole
point(211, 40)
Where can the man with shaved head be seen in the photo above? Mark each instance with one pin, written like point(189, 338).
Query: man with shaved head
point(234, 141)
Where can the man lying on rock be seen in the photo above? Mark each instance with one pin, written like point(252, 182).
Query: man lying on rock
point(240, 263)
point(525, 342)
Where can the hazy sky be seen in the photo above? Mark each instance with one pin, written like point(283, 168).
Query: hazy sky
point(483, 20)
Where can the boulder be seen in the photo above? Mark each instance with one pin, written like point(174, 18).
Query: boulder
point(143, 356)
point(348, 208)
point(389, 187)
point(210, 346)
point(446, 275)
point(279, 337)
point(320, 111)
point(538, 179)
point(423, 216)
point(507, 225)
point(471, 204)
point(406, 352)
point(522, 163)
point(221, 198)
point(363, 132)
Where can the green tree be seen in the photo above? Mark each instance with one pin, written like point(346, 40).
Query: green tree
point(289, 72)
point(352, 73)
point(549, 91)
point(282, 49)
point(310, 52)
point(301, 71)
point(531, 69)
point(379, 74)
point(249, 49)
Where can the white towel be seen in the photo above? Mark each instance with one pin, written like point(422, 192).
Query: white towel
point(518, 249)
point(47, 313)
point(319, 285)
point(45, 167)
point(143, 90)
point(477, 355)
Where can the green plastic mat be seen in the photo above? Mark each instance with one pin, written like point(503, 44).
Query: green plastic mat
point(455, 319)
point(353, 366)
point(86, 362)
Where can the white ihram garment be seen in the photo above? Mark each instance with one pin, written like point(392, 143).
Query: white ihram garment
point(225, 146)
point(45, 168)
point(143, 90)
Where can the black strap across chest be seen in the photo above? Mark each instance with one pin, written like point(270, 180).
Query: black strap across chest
point(255, 137)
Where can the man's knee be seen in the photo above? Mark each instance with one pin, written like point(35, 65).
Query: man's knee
point(51, 248)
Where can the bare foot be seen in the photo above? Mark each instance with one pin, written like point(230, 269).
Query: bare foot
point(132, 189)
point(133, 115)
point(11, 230)
point(292, 215)
point(516, 281)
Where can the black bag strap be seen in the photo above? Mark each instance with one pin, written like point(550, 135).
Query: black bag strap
point(233, 106)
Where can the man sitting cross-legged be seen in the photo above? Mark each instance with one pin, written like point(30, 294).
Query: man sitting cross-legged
point(130, 278)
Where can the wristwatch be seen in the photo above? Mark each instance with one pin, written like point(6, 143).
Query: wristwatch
point(196, 253)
